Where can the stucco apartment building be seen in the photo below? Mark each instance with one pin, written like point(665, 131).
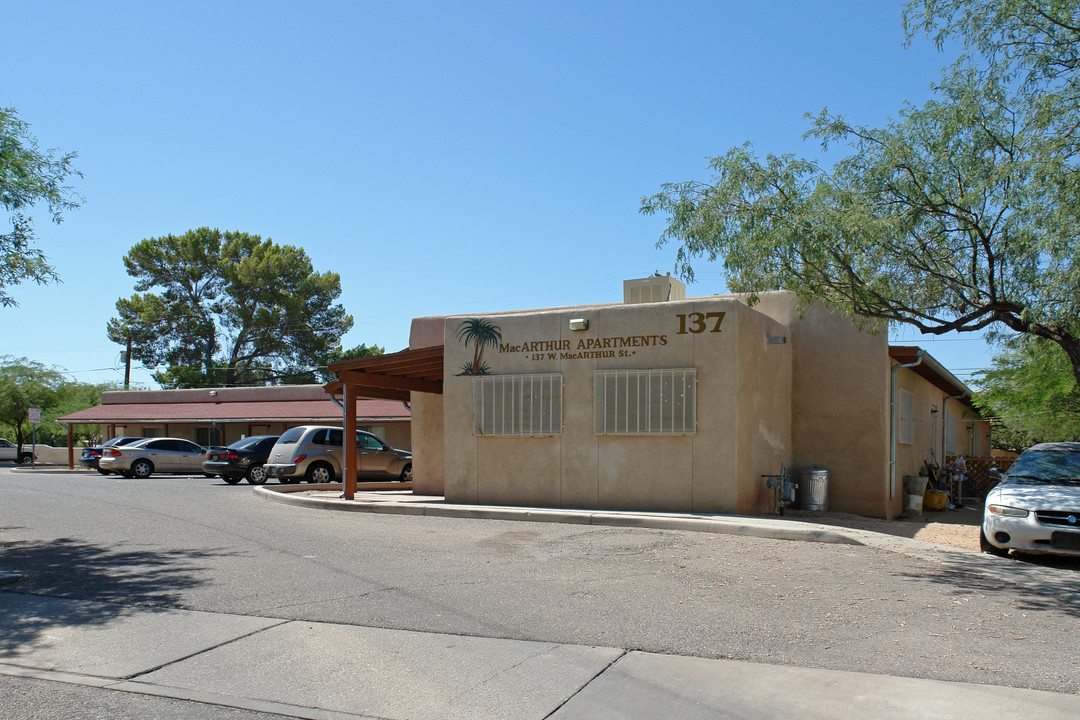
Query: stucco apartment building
point(668, 403)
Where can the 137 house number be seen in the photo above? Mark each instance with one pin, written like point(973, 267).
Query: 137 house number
point(695, 322)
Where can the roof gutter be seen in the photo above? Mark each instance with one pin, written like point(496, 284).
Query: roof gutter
point(893, 420)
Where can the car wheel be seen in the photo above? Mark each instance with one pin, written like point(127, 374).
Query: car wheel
point(319, 473)
point(986, 547)
point(26, 459)
point(406, 473)
point(256, 475)
point(231, 479)
point(142, 469)
point(103, 472)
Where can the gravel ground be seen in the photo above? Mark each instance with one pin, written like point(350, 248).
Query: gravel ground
point(956, 528)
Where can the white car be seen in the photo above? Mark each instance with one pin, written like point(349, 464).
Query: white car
point(1036, 509)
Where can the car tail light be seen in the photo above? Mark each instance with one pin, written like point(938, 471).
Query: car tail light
point(94, 453)
point(228, 456)
point(299, 458)
point(115, 453)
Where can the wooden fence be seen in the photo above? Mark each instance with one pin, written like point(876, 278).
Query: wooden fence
point(979, 481)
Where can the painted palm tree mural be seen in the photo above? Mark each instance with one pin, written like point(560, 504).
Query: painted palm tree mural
point(479, 333)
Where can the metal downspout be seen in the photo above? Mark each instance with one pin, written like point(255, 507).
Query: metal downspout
point(893, 418)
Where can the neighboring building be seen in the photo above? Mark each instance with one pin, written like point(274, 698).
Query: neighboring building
point(676, 405)
point(219, 416)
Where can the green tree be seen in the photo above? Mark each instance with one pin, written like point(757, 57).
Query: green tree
point(479, 333)
point(322, 375)
point(28, 177)
point(962, 214)
point(72, 397)
point(26, 384)
point(230, 309)
point(1030, 394)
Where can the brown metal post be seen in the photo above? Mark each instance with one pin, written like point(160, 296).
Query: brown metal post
point(71, 447)
point(348, 442)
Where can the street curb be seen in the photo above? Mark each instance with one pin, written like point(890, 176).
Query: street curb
point(716, 524)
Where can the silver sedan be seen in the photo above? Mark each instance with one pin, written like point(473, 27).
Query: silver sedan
point(164, 455)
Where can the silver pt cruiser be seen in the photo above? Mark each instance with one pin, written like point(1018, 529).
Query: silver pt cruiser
point(313, 453)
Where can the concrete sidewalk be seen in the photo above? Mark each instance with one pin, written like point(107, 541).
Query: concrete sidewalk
point(320, 670)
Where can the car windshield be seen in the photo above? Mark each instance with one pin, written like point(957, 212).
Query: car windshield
point(1047, 465)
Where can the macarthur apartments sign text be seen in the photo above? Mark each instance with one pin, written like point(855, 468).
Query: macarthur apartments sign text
point(584, 348)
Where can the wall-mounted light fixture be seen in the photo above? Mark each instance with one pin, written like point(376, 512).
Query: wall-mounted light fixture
point(776, 339)
point(579, 324)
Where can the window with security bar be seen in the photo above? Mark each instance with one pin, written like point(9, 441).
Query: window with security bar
point(644, 402)
point(518, 405)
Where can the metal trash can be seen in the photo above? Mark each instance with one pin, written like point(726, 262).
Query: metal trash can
point(814, 489)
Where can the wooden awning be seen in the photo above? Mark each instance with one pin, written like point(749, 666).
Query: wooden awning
point(395, 376)
point(392, 376)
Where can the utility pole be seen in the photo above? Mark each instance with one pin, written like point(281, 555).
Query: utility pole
point(127, 365)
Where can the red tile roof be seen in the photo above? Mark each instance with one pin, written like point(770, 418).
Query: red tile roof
point(322, 411)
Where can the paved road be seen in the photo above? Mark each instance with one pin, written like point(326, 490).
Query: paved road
point(195, 544)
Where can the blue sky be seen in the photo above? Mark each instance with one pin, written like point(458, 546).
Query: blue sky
point(442, 157)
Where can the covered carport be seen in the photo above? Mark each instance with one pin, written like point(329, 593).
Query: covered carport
point(394, 376)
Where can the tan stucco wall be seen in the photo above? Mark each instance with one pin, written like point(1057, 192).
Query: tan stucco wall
point(911, 459)
point(742, 412)
point(930, 445)
point(427, 416)
point(840, 407)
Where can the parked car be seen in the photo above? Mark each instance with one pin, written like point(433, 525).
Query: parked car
point(10, 451)
point(1036, 508)
point(243, 459)
point(91, 455)
point(145, 457)
point(313, 453)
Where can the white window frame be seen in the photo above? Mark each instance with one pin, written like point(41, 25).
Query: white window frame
point(905, 417)
point(647, 402)
point(950, 433)
point(528, 405)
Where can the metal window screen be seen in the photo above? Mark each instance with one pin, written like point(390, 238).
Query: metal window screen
point(644, 402)
point(518, 405)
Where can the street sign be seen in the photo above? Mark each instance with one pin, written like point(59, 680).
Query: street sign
point(35, 415)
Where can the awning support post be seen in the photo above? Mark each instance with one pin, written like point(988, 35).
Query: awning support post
point(349, 457)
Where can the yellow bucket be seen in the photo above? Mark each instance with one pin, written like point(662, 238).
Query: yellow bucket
point(934, 500)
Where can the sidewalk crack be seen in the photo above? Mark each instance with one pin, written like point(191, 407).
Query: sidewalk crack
point(587, 683)
point(206, 650)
